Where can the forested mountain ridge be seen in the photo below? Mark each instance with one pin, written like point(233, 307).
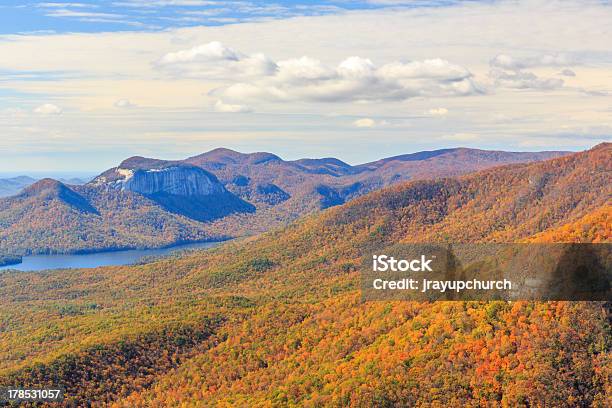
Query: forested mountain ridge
point(146, 202)
point(80, 219)
point(278, 318)
point(313, 181)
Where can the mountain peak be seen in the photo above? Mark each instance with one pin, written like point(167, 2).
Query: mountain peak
point(223, 150)
point(224, 156)
point(418, 156)
point(602, 146)
point(45, 184)
point(49, 189)
point(139, 162)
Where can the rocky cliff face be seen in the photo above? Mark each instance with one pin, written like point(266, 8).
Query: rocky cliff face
point(180, 180)
point(176, 180)
point(180, 188)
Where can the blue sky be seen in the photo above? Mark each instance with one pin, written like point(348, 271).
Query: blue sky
point(119, 15)
point(85, 84)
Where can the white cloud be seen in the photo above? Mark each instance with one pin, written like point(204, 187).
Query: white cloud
point(523, 80)
point(357, 80)
point(356, 67)
point(165, 3)
point(207, 12)
point(214, 60)
point(256, 77)
point(123, 103)
point(510, 72)
point(83, 14)
point(391, 2)
point(364, 123)
point(63, 5)
point(213, 51)
point(568, 73)
point(79, 12)
point(304, 68)
point(48, 109)
point(229, 108)
point(595, 92)
point(438, 112)
point(13, 112)
point(516, 63)
point(432, 68)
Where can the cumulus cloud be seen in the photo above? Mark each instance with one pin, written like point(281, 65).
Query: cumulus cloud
point(48, 109)
point(256, 77)
point(523, 80)
point(364, 123)
point(229, 108)
point(124, 103)
point(438, 112)
point(515, 63)
point(511, 72)
point(207, 52)
point(595, 92)
point(568, 73)
point(214, 60)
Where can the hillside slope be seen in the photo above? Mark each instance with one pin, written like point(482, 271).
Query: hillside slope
point(596, 226)
point(308, 185)
point(278, 319)
point(147, 202)
point(322, 183)
point(50, 217)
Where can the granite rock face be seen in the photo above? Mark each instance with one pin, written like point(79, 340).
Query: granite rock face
point(179, 188)
point(174, 180)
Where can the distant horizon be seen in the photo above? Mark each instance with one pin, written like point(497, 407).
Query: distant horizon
point(85, 173)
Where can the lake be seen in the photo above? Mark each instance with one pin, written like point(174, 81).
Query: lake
point(94, 260)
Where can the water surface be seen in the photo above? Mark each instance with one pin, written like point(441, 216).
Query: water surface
point(114, 258)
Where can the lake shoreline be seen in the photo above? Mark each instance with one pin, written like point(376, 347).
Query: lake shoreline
point(122, 257)
point(87, 251)
point(10, 260)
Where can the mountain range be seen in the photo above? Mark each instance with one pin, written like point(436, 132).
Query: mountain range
point(278, 319)
point(217, 195)
point(14, 185)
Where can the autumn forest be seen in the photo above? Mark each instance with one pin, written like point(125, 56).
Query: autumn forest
point(277, 319)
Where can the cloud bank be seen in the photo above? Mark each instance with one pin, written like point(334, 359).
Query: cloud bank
point(511, 72)
point(257, 77)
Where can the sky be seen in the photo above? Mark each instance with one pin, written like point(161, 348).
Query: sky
point(86, 84)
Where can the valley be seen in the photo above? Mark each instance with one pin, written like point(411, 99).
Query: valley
point(278, 319)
